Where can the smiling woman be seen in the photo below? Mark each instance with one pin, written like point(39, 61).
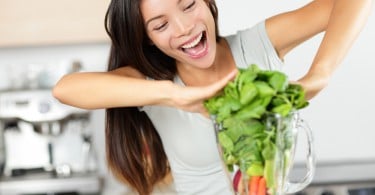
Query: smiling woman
point(184, 30)
point(167, 58)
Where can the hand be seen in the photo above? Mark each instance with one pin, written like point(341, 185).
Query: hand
point(191, 98)
point(313, 83)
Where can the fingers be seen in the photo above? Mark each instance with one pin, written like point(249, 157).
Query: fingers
point(214, 88)
point(222, 82)
point(217, 86)
point(192, 98)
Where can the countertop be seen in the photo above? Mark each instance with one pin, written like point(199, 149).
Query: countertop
point(45, 183)
point(338, 172)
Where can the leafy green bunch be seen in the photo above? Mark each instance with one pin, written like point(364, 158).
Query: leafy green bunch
point(242, 108)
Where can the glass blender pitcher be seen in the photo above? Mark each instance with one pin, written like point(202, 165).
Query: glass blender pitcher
point(263, 153)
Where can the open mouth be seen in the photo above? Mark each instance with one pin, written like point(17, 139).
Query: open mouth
point(197, 47)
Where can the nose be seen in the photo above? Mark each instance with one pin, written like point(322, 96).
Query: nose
point(183, 25)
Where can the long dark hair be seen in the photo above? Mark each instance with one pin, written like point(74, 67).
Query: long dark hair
point(134, 149)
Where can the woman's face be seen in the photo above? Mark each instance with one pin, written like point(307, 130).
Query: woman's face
point(182, 29)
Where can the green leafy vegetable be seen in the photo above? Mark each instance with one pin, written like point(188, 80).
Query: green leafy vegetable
point(247, 139)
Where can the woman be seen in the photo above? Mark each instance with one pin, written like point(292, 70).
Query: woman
point(167, 58)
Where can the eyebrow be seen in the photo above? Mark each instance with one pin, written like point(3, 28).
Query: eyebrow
point(158, 17)
point(154, 18)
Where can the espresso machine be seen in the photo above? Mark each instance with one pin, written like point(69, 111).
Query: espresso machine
point(46, 146)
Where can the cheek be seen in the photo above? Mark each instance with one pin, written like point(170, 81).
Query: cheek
point(161, 41)
point(210, 19)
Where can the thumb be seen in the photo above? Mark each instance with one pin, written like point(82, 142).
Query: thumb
point(223, 81)
point(212, 89)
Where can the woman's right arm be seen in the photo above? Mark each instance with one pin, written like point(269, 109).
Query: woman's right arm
point(125, 87)
point(122, 87)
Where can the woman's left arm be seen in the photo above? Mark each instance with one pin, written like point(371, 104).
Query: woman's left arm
point(342, 21)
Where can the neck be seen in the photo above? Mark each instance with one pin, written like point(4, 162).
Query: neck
point(222, 65)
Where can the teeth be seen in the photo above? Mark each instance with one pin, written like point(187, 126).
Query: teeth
point(193, 43)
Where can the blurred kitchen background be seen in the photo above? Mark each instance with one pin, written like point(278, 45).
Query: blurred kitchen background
point(50, 148)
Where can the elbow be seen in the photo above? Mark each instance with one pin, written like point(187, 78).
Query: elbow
point(68, 92)
point(58, 92)
point(64, 91)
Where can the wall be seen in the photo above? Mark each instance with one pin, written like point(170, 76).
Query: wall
point(43, 22)
point(341, 116)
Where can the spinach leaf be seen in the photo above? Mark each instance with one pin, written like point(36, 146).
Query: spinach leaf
point(247, 138)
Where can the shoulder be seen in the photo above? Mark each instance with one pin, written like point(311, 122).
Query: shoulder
point(253, 46)
point(244, 37)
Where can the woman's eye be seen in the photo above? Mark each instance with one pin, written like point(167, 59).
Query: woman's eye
point(160, 27)
point(191, 5)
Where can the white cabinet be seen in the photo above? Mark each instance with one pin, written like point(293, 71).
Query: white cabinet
point(51, 22)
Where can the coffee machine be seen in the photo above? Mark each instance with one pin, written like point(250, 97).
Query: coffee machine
point(45, 141)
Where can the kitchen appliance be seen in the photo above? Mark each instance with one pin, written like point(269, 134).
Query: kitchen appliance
point(286, 129)
point(45, 141)
point(277, 141)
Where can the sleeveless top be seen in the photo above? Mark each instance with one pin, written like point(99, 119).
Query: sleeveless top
point(189, 138)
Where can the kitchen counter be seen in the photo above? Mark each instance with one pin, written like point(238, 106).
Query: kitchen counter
point(340, 172)
point(43, 183)
point(343, 178)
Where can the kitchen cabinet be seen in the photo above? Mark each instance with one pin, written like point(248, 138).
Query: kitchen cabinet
point(51, 22)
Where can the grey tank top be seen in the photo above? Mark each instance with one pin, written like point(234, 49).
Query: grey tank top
point(189, 138)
